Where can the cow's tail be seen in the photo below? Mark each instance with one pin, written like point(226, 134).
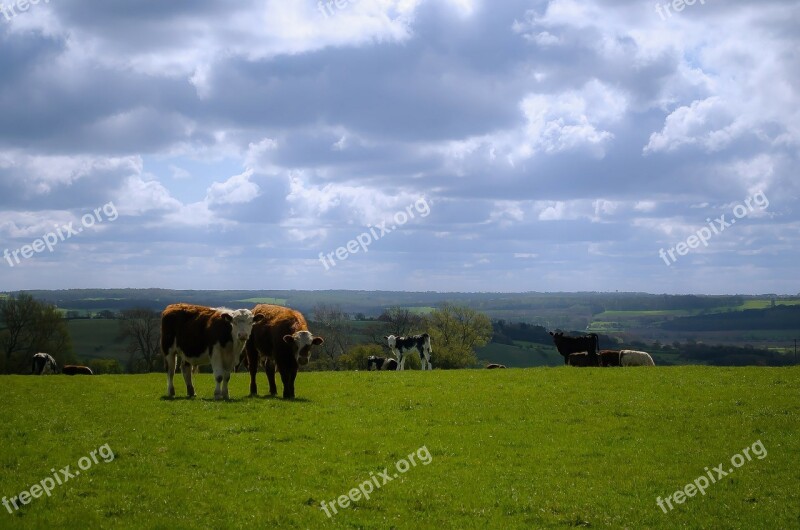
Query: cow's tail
point(596, 343)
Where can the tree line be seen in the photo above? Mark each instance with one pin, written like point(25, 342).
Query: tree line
point(28, 326)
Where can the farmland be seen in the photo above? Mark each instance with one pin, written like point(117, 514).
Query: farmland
point(517, 448)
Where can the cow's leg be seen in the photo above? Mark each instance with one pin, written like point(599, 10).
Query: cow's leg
point(269, 368)
point(186, 369)
point(401, 365)
point(252, 367)
point(288, 375)
point(219, 373)
point(169, 361)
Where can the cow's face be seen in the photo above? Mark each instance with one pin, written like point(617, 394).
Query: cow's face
point(241, 321)
point(391, 340)
point(301, 342)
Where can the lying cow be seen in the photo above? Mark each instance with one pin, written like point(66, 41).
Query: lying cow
point(567, 345)
point(280, 339)
point(609, 358)
point(44, 364)
point(493, 366)
point(71, 369)
point(203, 335)
point(400, 346)
point(635, 358)
point(381, 363)
point(583, 359)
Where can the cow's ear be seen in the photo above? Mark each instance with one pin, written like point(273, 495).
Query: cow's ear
point(258, 318)
point(317, 341)
point(288, 338)
point(226, 317)
point(551, 333)
point(385, 337)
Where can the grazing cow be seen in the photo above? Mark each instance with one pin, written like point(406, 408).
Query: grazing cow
point(44, 364)
point(71, 369)
point(609, 358)
point(401, 345)
point(566, 345)
point(381, 363)
point(280, 339)
point(493, 366)
point(635, 358)
point(583, 359)
point(203, 335)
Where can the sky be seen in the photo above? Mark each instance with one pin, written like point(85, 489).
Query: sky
point(410, 145)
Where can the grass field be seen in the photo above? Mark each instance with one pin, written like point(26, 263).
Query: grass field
point(533, 448)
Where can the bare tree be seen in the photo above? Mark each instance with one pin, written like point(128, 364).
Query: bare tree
point(141, 327)
point(334, 325)
point(395, 321)
point(27, 327)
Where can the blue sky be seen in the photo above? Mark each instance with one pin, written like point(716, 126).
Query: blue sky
point(558, 145)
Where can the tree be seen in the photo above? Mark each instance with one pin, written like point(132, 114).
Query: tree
point(356, 357)
point(456, 331)
point(27, 327)
point(394, 321)
point(141, 327)
point(334, 326)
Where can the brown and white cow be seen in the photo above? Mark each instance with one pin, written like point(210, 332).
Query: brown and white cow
point(72, 369)
point(204, 335)
point(280, 339)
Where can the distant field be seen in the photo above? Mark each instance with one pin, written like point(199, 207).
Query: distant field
point(97, 339)
point(534, 448)
point(264, 300)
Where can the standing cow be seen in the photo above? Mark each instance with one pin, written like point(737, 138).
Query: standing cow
point(400, 346)
point(567, 345)
point(44, 364)
point(280, 339)
point(204, 335)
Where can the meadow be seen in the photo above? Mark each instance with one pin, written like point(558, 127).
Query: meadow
point(517, 448)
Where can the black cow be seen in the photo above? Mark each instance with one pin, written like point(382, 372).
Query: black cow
point(566, 345)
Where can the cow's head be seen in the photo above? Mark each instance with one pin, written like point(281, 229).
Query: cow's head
point(301, 342)
point(241, 321)
point(392, 341)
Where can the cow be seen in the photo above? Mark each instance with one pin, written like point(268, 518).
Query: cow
point(635, 358)
point(44, 364)
point(381, 363)
point(203, 335)
point(71, 369)
point(281, 340)
point(493, 366)
point(609, 358)
point(566, 345)
point(583, 359)
point(401, 345)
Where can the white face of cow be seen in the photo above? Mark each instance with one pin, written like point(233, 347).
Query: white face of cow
point(302, 341)
point(392, 341)
point(241, 322)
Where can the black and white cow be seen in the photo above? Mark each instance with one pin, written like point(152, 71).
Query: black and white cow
point(44, 364)
point(381, 363)
point(400, 346)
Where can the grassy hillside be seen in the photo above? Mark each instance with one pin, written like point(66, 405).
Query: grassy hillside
point(96, 339)
point(533, 448)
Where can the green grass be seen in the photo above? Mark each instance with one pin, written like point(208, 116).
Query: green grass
point(264, 300)
point(533, 448)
